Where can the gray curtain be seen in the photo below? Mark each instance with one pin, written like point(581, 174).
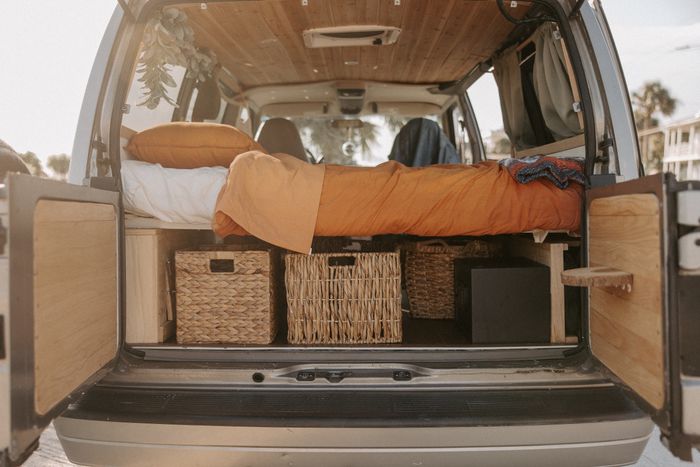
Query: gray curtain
point(516, 123)
point(552, 84)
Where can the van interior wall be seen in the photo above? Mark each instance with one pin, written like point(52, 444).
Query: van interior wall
point(494, 299)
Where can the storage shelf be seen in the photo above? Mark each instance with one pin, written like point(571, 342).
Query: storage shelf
point(599, 276)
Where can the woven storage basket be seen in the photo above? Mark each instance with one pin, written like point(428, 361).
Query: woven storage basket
point(225, 297)
point(343, 298)
point(429, 271)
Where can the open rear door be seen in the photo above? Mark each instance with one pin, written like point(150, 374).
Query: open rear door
point(59, 272)
point(644, 308)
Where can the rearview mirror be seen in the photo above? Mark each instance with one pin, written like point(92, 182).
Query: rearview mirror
point(347, 124)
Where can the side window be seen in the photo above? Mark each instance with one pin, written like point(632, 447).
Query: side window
point(140, 117)
point(460, 134)
point(244, 121)
point(483, 95)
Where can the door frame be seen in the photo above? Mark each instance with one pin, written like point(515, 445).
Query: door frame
point(24, 192)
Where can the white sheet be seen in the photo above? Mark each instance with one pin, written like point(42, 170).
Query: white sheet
point(171, 195)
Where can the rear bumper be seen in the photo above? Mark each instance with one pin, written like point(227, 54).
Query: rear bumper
point(149, 428)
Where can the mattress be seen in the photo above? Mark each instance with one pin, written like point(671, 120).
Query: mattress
point(171, 195)
point(286, 202)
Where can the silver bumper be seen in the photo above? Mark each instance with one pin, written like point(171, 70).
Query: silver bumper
point(92, 442)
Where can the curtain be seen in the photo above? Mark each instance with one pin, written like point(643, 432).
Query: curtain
point(516, 123)
point(552, 84)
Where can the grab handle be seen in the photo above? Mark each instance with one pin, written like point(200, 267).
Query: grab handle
point(218, 266)
point(341, 261)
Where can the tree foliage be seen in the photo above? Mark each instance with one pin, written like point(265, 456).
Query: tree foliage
point(323, 140)
point(648, 101)
point(169, 41)
point(33, 163)
point(59, 165)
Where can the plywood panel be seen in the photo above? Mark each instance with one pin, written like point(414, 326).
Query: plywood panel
point(261, 43)
point(626, 329)
point(75, 296)
point(149, 305)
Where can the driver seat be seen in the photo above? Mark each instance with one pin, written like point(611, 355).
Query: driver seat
point(281, 135)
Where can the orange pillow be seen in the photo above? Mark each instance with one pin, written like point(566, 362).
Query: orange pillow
point(184, 145)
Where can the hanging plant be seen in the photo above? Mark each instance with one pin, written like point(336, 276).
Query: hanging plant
point(169, 41)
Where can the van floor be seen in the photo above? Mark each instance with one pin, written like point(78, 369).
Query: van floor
point(416, 333)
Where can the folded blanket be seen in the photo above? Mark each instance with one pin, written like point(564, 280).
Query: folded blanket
point(285, 201)
point(558, 170)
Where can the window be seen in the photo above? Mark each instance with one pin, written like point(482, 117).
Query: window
point(461, 136)
point(139, 117)
point(483, 95)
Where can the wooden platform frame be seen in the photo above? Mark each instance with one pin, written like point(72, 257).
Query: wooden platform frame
point(551, 255)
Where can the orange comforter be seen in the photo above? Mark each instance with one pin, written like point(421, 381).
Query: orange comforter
point(285, 201)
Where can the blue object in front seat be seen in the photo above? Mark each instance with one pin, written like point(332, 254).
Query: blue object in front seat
point(420, 143)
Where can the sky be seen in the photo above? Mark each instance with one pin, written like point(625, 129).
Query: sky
point(47, 48)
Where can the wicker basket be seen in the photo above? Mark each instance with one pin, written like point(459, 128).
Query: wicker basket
point(343, 298)
point(225, 297)
point(429, 271)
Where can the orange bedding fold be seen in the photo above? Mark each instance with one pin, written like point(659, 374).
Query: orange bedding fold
point(286, 202)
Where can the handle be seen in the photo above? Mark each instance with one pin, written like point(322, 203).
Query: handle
point(341, 261)
point(218, 266)
point(435, 241)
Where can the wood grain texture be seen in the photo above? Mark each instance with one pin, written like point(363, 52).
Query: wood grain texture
point(150, 265)
point(75, 296)
point(261, 43)
point(553, 148)
point(626, 329)
point(552, 255)
point(600, 276)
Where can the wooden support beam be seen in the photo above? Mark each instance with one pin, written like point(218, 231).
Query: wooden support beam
point(552, 255)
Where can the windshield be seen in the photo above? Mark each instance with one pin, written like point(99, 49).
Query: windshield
point(365, 140)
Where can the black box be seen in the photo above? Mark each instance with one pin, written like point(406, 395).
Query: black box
point(503, 301)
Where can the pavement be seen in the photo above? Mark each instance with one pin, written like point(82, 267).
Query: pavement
point(51, 454)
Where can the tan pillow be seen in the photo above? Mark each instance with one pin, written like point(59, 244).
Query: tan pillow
point(184, 145)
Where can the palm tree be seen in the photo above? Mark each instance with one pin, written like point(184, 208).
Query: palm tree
point(649, 100)
point(33, 162)
point(59, 165)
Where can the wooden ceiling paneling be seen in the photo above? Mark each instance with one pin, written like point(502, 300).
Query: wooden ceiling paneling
point(261, 42)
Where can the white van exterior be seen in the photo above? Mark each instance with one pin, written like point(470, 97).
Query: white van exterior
point(62, 273)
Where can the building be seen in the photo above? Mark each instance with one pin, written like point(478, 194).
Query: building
point(682, 148)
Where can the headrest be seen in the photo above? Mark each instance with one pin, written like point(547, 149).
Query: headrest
point(281, 135)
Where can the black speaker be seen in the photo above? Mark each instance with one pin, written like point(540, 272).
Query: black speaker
point(503, 301)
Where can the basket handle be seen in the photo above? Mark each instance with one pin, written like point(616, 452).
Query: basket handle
point(222, 266)
point(341, 261)
point(435, 241)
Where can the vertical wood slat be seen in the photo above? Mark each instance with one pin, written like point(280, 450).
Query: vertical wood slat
point(552, 255)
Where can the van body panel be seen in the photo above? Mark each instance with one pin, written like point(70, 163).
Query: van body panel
point(85, 132)
point(611, 81)
point(146, 433)
point(63, 330)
